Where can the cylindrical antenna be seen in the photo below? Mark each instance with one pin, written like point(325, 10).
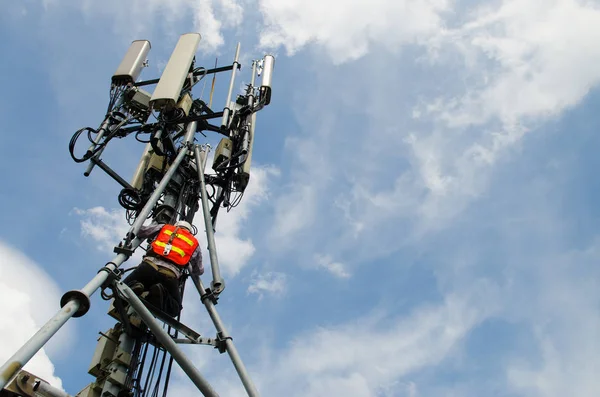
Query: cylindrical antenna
point(251, 86)
point(267, 77)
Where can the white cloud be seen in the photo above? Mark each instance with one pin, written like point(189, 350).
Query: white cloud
point(140, 18)
point(502, 70)
point(376, 354)
point(380, 354)
point(267, 283)
point(28, 298)
point(232, 12)
point(294, 211)
point(106, 227)
point(564, 318)
point(536, 61)
point(525, 62)
point(347, 30)
point(338, 269)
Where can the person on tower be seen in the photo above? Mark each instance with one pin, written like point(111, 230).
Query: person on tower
point(172, 249)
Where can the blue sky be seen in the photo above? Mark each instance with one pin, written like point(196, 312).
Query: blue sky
point(421, 219)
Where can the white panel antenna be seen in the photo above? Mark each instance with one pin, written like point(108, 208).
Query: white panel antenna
point(168, 89)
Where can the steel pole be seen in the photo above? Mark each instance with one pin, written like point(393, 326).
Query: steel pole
point(35, 343)
point(226, 110)
point(10, 368)
point(231, 349)
point(218, 284)
point(165, 339)
point(44, 389)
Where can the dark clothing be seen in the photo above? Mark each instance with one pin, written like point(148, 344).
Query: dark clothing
point(148, 276)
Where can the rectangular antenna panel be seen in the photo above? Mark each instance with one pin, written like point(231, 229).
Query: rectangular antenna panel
point(244, 171)
point(133, 62)
point(105, 349)
point(169, 86)
point(222, 153)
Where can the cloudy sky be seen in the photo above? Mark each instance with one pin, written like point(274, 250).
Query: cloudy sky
point(421, 219)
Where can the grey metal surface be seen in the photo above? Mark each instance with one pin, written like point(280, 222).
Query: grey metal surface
point(138, 175)
point(12, 366)
point(131, 66)
point(169, 86)
point(126, 343)
point(26, 384)
point(251, 87)
point(217, 283)
point(165, 339)
point(47, 390)
point(227, 110)
point(173, 323)
point(267, 77)
point(231, 349)
point(267, 73)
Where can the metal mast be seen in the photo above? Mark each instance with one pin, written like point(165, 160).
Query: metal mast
point(135, 357)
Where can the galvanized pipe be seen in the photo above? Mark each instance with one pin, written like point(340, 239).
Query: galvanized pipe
point(217, 283)
point(44, 389)
point(231, 349)
point(226, 110)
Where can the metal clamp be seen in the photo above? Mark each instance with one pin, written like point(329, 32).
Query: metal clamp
point(210, 295)
point(121, 249)
point(221, 342)
point(112, 274)
point(108, 283)
point(125, 247)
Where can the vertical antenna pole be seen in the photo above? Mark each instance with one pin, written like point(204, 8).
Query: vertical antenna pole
point(226, 110)
point(251, 86)
point(165, 339)
point(223, 335)
point(217, 284)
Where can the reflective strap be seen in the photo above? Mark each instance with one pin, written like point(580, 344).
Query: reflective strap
point(175, 249)
point(187, 240)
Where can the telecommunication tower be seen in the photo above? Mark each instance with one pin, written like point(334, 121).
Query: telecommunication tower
point(135, 357)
